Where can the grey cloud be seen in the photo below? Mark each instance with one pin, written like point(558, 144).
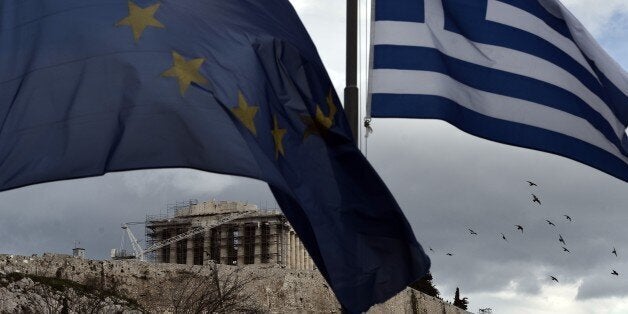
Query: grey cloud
point(604, 285)
point(50, 217)
point(447, 181)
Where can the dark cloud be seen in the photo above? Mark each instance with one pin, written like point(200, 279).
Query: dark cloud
point(604, 285)
point(50, 217)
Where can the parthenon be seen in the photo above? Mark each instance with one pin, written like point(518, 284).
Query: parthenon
point(247, 236)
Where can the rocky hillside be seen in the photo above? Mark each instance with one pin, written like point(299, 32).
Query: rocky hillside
point(21, 293)
point(56, 283)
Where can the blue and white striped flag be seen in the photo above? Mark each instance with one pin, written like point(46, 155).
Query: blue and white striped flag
point(520, 72)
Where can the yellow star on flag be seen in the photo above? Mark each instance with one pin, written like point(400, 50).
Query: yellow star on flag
point(321, 122)
point(140, 18)
point(245, 113)
point(185, 71)
point(278, 135)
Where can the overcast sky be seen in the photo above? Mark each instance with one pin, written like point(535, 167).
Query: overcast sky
point(445, 180)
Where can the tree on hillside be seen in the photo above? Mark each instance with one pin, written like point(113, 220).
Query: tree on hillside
point(461, 303)
point(426, 286)
point(218, 293)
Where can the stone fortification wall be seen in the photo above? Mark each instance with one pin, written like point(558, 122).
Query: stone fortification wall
point(411, 301)
point(278, 290)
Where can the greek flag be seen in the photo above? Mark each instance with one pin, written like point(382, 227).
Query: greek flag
point(520, 72)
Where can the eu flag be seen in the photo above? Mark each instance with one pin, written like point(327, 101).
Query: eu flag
point(234, 87)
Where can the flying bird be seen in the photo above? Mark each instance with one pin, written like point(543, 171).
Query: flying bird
point(554, 278)
point(615, 273)
point(535, 199)
point(531, 183)
point(504, 237)
point(432, 250)
point(472, 232)
point(566, 250)
point(550, 223)
point(614, 252)
point(519, 227)
point(567, 217)
point(449, 254)
point(561, 240)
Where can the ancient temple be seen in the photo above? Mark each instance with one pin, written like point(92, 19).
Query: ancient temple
point(232, 233)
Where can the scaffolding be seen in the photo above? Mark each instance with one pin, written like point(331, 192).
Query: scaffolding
point(231, 233)
point(229, 243)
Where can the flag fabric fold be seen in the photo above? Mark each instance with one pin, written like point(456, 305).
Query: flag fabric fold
point(520, 72)
point(233, 87)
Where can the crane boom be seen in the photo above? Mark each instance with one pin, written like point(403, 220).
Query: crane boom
point(137, 249)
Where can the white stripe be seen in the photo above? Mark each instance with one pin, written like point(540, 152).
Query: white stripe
point(387, 81)
point(495, 57)
point(590, 47)
point(506, 14)
point(435, 14)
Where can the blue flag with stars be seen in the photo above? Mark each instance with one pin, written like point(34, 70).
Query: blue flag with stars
point(234, 87)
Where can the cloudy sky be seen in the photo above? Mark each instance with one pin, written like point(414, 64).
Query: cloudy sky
point(445, 180)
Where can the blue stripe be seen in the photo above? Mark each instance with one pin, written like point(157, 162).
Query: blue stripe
point(468, 20)
point(490, 80)
point(405, 10)
point(614, 98)
point(535, 8)
point(434, 107)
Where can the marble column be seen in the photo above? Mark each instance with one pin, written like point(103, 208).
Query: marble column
point(300, 255)
point(224, 240)
point(258, 243)
point(240, 246)
point(290, 250)
point(189, 253)
point(173, 252)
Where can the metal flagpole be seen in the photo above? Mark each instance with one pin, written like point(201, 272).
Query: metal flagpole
point(351, 88)
point(351, 81)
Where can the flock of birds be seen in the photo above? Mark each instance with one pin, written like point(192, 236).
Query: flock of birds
point(536, 200)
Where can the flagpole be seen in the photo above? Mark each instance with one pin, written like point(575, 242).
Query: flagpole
point(351, 88)
point(351, 80)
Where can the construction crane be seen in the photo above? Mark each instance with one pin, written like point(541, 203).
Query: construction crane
point(137, 249)
point(135, 245)
point(139, 253)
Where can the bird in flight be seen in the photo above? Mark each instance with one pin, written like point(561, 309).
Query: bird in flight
point(432, 250)
point(566, 250)
point(449, 254)
point(550, 223)
point(519, 227)
point(554, 278)
point(504, 237)
point(561, 240)
point(614, 252)
point(567, 217)
point(531, 183)
point(615, 273)
point(535, 199)
point(472, 232)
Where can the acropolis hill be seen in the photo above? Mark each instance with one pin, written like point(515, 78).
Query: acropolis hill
point(269, 289)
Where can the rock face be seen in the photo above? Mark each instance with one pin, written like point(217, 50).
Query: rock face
point(22, 294)
point(155, 287)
